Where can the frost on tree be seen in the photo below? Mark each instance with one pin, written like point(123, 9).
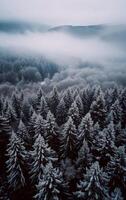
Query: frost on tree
point(61, 112)
point(86, 129)
point(54, 101)
point(40, 157)
point(52, 133)
point(51, 185)
point(16, 156)
point(117, 170)
point(69, 141)
point(39, 126)
point(43, 108)
point(98, 111)
point(93, 185)
point(74, 114)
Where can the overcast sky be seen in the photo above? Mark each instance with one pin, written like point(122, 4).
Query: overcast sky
point(81, 12)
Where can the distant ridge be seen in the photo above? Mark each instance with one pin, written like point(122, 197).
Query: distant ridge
point(79, 30)
point(21, 27)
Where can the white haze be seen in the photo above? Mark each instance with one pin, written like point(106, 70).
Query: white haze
point(61, 48)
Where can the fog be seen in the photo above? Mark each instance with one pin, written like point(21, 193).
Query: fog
point(62, 48)
point(88, 58)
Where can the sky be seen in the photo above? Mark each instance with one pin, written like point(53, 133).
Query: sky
point(60, 12)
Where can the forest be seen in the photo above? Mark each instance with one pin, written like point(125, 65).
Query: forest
point(62, 100)
point(59, 143)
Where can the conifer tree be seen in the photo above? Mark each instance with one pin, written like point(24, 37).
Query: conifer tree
point(31, 130)
point(115, 113)
point(84, 159)
point(52, 133)
point(40, 157)
point(68, 98)
point(16, 104)
point(123, 107)
point(116, 169)
point(39, 126)
point(22, 132)
point(86, 129)
point(16, 156)
point(109, 147)
point(51, 185)
point(86, 96)
point(43, 108)
point(61, 112)
point(5, 130)
point(69, 141)
point(93, 186)
point(79, 104)
point(98, 141)
point(74, 114)
point(27, 110)
point(98, 111)
point(39, 96)
point(54, 101)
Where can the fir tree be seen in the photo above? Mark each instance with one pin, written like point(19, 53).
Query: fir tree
point(86, 96)
point(51, 185)
point(93, 186)
point(22, 132)
point(61, 113)
point(16, 104)
point(98, 142)
point(69, 141)
point(54, 101)
point(117, 170)
point(39, 126)
point(5, 130)
point(79, 104)
point(98, 111)
point(68, 98)
point(86, 129)
point(16, 156)
point(74, 114)
point(43, 109)
point(123, 106)
point(40, 157)
point(52, 133)
point(84, 159)
point(31, 130)
point(115, 113)
point(109, 147)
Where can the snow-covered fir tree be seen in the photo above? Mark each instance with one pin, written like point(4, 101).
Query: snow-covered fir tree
point(116, 169)
point(98, 111)
point(68, 98)
point(79, 104)
point(41, 155)
point(52, 133)
point(74, 114)
point(93, 186)
point(61, 112)
point(15, 162)
point(39, 126)
point(16, 104)
point(43, 108)
point(68, 146)
point(51, 185)
point(86, 129)
point(54, 101)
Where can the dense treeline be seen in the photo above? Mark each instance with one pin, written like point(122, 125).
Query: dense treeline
point(67, 144)
point(17, 69)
